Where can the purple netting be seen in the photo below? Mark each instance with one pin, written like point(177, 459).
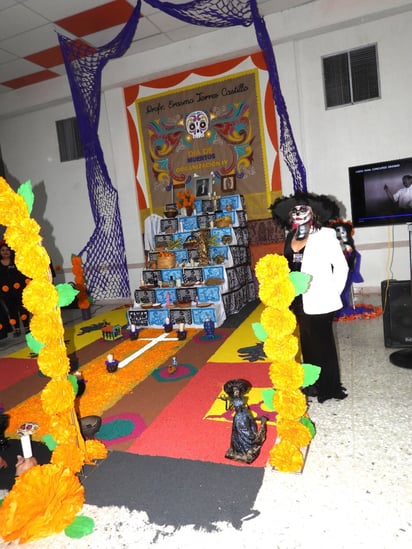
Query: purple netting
point(104, 257)
point(105, 264)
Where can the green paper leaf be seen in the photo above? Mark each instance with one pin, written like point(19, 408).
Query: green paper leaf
point(267, 395)
point(309, 424)
point(33, 344)
point(66, 294)
point(80, 527)
point(300, 281)
point(312, 374)
point(25, 190)
point(73, 381)
point(259, 331)
point(49, 442)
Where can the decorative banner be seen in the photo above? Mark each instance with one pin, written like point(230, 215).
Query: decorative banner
point(198, 126)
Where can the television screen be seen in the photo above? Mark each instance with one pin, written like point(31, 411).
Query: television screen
point(381, 193)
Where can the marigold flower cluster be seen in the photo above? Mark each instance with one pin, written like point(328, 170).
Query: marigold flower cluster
point(45, 499)
point(277, 292)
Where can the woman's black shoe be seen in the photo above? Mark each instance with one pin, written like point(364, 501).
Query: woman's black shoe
point(310, 391)
point(340, 395)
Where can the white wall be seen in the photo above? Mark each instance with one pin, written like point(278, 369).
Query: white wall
point(328, 141)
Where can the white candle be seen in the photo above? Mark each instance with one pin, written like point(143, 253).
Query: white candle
point(181, 327)
point(110, 358)
point(167, 321)
point(26, 446)
point(132, 328)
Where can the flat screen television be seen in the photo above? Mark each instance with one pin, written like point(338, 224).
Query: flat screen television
point(370, 203)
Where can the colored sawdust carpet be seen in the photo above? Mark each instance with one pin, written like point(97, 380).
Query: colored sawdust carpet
point(176, 492)
point(196, 425)
point(104, 389)
point(243, 338)
point(13, 370)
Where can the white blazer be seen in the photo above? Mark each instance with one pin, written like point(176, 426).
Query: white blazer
point(325, 262)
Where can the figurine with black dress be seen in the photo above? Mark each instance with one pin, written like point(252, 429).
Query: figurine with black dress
point(313, 248)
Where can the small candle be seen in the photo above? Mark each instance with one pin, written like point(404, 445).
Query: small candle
point(26, 446)
point(181, 327)
point(110, 358)
point(167, 321)
point(132, 328)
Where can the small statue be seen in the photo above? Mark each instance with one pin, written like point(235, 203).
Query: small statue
point(246, 439)
point(209, 327)
point(173, 367)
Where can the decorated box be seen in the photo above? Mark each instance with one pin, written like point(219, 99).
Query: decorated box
point(163, 240)
point(206, 294)
point(138, 317)
point(157, 317)
point(152, 277)
point(169, 225)
point(191, 276)
point(182, 236)
point(222, 234)
point(181, 255)
point(186, 294)
point(177, 316)
point(218, 251)
point(188, 223)
point(203, 313)
point(232, 215)
point(162, 293)
point(233, 200)
point(168, 274)
point(145, 296)
point(217, 271)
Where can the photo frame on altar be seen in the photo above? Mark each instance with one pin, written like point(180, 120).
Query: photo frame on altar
point(202, 186)
point(228, 183)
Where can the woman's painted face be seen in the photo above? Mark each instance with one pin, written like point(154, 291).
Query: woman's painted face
point(301, 214)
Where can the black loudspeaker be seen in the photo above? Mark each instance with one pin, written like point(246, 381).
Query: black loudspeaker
point(397, 313)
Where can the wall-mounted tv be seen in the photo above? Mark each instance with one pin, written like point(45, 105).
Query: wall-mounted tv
point(373, 193)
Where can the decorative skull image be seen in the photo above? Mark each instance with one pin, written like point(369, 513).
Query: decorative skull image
point(197, 124)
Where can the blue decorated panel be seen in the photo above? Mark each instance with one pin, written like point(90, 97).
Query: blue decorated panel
point(232, 200)
point(218, 250)
point(208, 293)
point(188, 223)
point(221, 233)
point(161, 295)
point(217, 271)
point(168, 273)
point(181, 255)
point(182, 235)
point(157, 317)
point(201, 314)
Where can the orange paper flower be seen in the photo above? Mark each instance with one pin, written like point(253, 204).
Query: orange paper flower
point(44, 501)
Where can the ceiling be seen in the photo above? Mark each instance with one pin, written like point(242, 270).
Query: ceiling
point(29, 48)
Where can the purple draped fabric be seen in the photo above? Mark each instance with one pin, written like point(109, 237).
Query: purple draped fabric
point(105, 262)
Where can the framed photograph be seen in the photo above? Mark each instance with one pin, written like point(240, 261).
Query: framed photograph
point(228, 183)
point(202, 186)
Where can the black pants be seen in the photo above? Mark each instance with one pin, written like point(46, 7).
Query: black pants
point(318, 347)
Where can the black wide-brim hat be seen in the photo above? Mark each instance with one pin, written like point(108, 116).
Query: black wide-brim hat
point(324, 207)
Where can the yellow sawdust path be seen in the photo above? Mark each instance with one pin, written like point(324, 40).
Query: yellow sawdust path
point(243, 336)
point(76, 339)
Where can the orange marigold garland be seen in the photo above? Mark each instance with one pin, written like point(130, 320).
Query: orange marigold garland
point(277, 289)
point(45, 499)
point(80, 282)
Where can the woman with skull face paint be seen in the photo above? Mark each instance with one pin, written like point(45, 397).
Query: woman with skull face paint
point(312, 248)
